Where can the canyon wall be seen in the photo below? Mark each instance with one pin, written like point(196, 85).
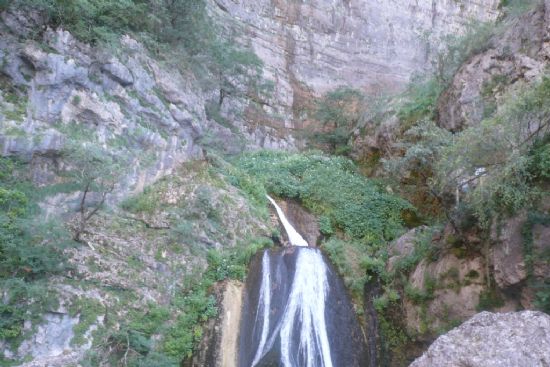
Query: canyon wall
point(312, 47)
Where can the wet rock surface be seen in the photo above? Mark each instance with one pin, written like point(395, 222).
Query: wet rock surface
point(305, 223)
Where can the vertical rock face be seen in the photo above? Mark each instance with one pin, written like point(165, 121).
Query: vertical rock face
point(315, 46)
point(520, 54)
point(219, 347)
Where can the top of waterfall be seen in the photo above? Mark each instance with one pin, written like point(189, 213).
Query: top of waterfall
point(293, 236)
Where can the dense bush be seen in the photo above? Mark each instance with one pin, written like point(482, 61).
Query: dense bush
point(30, 251)
point(502, 155)
point(104, 20)
point(332, 187)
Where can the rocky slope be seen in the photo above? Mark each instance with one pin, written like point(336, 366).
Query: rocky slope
point(447, 275)
point(54, 85)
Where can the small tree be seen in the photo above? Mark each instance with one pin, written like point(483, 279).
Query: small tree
point(95, 172)
point(338, 113)
point(503, 151)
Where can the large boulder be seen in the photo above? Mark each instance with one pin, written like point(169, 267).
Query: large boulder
point(491, 340)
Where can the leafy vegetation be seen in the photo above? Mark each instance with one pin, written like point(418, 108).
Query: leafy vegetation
point(330, 186)
point(338, 113)
point(533, 255)
point(93, 171)
point(500, 156)
point(356, 215)
point(475, 175)
point(30, 252)
point(198, 305)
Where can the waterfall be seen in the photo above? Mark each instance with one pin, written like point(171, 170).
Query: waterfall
point(293, 236)
point(296, 312)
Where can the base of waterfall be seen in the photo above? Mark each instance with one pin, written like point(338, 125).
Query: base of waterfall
point(296, 313)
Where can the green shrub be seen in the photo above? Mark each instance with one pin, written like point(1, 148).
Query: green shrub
point(197, 305)
point(539, 166)
point(489, 300)
point(506, 147)
point(30, 251)
point(330, 186)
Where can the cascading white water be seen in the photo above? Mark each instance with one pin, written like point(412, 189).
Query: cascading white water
point(293, 236)
point(264, 306)
point(296, 311)
point(305, 307)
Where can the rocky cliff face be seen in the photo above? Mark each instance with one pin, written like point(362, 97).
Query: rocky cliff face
point(312, 47)
point(518, 56)
point(53, 86)
point(55, 89)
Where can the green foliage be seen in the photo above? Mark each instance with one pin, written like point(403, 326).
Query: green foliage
point(88, 311)
point(516, 7)
point(541, 286)
point(16, 96)
point(489, 300)
point(144, 202)
point(332, 187)
point(325, 226)
point(30, 251)
point(350, 259)
point(134, 341)
point(501, 146)
point(338, 112)
point(197, 305)
point(539, 165)
point(420, 100)
point(423, 249)
point(423, 145)
point(92, 20)
point(419, 296)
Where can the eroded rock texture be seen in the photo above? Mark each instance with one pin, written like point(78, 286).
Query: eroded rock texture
point(518, 55)
point(312, 47)
point(491, 340)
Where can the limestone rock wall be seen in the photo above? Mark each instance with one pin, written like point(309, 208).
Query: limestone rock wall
point(56, 90)
point(311, 47)
point(519, 55)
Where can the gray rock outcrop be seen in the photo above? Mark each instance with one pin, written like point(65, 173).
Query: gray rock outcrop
point(129, 104)
point(518, 54)
point(491, 340)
